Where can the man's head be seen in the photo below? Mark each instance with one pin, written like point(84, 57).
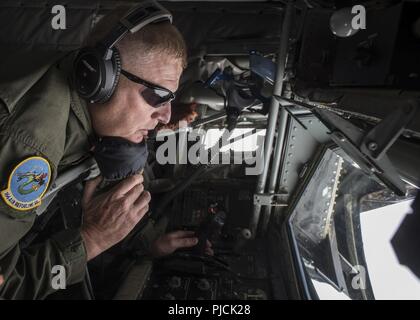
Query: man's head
point(157, 54)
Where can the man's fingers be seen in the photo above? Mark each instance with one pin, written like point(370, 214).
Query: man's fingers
point(178, 243)
point(90, 188)
point(132, 195)
point(209, 251)
point(142, 201)
point(181, 234)
point(1, 279)
point(138, 215)
point(127, 184)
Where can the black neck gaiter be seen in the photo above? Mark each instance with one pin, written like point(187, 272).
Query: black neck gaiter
point(119, 158)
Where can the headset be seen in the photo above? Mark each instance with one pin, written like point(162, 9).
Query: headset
point(97, 69)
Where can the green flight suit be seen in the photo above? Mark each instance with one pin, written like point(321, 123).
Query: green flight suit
point(40, 115)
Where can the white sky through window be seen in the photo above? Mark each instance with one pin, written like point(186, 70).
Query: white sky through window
point(389, 279)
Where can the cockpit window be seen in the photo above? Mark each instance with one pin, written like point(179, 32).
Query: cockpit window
point(343, 250)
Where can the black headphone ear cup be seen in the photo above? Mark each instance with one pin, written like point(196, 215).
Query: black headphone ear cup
point(96, 78)
point(88, 73)
point(116, 66)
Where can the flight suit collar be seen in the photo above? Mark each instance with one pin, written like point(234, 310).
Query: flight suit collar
point(78, 105)
point(20, 73)
point(11, 92)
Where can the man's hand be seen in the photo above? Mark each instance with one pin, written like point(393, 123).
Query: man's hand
point(1, 279)
point(109, 217)
point(168, 243)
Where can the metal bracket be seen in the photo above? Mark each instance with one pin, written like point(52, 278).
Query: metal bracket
point(378, 140)
point(368, 149)
point(273, 200)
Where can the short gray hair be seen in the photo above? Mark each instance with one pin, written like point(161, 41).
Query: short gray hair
point(158, 38)
point(161, 38)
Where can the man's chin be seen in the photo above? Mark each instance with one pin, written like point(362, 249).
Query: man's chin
point(136, 138)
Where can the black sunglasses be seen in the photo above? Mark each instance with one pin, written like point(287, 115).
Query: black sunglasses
point(153, 94)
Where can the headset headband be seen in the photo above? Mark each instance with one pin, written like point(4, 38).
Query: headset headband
point(146, 13)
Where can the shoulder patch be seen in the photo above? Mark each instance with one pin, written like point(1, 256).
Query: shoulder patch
point(27, 184)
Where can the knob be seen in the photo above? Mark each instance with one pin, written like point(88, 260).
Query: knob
point(174, 282)
point(203, 284)
point(168, 296)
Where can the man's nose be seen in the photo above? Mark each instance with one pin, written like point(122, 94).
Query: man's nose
point(163, 114)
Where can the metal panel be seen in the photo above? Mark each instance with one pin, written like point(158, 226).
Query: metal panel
point(301, 145)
